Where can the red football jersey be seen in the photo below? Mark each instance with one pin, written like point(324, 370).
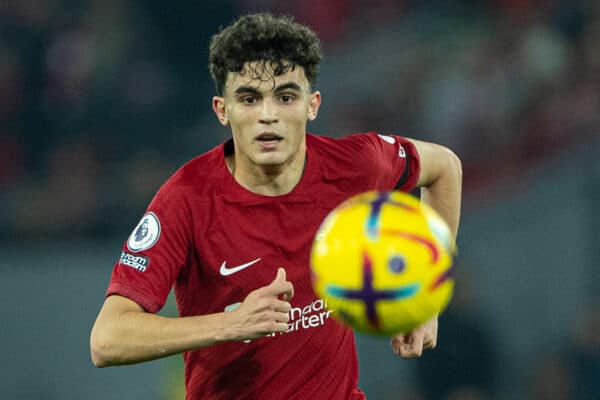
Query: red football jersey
point(215, 242)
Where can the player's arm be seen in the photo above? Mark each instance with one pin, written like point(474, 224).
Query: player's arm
point(124, 333)
point(440, 180)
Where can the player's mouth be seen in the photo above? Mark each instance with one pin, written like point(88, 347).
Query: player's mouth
point(268, 140)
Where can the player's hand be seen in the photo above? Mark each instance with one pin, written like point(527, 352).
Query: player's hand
point(412, 344)
point(264, 311)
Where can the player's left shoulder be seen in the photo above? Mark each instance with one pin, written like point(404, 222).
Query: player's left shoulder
point(379, 141)
point(364, 148)
point(352, 142)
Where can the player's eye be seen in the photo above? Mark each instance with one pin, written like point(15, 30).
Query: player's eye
point(286, 98)
point(248, 99)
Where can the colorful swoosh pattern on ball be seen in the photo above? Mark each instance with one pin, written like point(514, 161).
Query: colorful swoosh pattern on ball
point(373, 221)
point(431, 246)
point(448, 274)
point(370, 295)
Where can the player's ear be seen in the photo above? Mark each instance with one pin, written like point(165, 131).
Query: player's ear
point(218, 106)
point(313, 105)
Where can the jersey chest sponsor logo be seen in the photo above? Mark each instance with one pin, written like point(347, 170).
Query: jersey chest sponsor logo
point(226, 271)
point(312, 315)
point(145, 234)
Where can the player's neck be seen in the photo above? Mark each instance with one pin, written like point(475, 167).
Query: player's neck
point(270, 180)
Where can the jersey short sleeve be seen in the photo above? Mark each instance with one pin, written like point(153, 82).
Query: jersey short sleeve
point(390, 161)
point(155, 251)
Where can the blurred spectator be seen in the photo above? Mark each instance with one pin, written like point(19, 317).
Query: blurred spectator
point(585, 354)
point(64, 201)
point(551, 380)
point(572, 371)
point(467, 393)
point(328, 18)
point(502, 83)
point(463, 365)
point(101, 100)
point(11, 150)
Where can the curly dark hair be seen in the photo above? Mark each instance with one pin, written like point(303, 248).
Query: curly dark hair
point(278, 41)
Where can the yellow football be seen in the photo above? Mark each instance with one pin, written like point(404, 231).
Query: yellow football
point(383, 262)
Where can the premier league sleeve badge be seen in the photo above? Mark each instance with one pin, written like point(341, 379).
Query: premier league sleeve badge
point(146, 233)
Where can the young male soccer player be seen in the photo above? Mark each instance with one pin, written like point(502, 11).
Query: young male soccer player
point(232, 230)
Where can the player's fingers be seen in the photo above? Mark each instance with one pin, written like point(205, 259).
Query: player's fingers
point(282, 327)
point(396, 344)
point(281, 317)
point(429, 342)
point(280, 286)
point(276, 327)
point(409, 345)
point(282, 306)
point(280, 277)
point(429, 331)
point(289, 293)
point(413, 345)
point(289, 287)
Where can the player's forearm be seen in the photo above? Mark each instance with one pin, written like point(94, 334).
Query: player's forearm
point(125, 334)
point(443, 192)
point(135, 336)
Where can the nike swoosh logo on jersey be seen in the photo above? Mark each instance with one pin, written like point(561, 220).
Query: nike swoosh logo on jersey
point(229, 271)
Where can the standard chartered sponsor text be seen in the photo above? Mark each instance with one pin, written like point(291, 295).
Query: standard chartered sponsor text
point(310, 316)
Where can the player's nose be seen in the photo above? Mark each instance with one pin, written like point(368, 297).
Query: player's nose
point(268, 112)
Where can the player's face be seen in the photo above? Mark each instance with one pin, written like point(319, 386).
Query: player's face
point(267, 117)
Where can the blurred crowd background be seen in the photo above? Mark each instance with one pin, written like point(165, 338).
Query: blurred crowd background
point(102, 100)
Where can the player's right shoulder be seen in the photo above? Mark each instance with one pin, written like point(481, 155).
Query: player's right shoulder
point(191, 187)
point(198, 172)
